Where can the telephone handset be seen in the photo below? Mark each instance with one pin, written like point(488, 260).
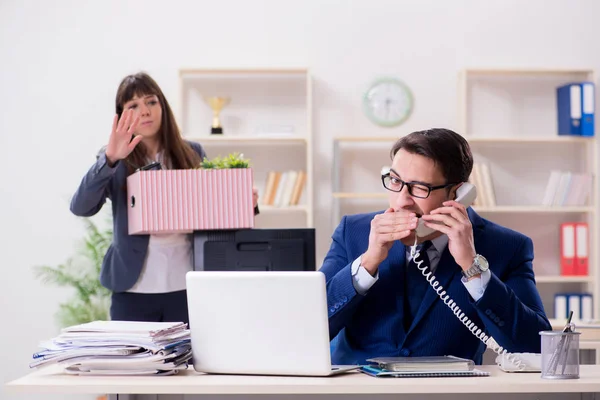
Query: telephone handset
point(465, 195)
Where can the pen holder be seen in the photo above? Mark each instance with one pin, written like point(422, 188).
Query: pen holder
point(560, 355)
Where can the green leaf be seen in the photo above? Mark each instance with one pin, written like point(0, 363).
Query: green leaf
point(233, 160)
point(80, 272)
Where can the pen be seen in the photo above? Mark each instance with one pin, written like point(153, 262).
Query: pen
point(568, 329)
point(557, 354)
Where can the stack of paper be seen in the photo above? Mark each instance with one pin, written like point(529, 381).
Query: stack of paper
point(119, 348)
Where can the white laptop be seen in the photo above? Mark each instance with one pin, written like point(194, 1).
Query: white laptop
point(262, 323)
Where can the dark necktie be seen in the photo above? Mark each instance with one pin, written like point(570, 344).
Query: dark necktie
point(415, 285)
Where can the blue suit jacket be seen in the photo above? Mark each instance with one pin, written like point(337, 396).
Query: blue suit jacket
point(125, 257)
point(510, 310)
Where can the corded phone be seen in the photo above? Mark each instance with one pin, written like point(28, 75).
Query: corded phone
point(465, 195)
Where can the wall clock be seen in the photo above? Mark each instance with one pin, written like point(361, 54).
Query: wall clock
point(388, 102)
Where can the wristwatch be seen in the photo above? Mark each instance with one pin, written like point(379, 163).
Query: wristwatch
point(480, 264)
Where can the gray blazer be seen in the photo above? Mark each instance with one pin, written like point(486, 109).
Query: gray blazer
point(125, 257)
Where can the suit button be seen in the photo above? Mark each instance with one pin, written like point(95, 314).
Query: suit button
point(496, 320)
point(332, 309)
point(492, 316)
point(488, 311)
point(405, 352)
point(344, 299)
point(501, 323)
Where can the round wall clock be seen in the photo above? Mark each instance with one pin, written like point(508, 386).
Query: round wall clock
point(388, 102)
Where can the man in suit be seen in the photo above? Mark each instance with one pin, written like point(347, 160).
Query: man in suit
point(379, 302)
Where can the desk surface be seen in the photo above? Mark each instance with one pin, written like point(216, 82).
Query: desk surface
point(51, 380)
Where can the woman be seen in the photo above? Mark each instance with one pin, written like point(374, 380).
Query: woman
point(145, 272)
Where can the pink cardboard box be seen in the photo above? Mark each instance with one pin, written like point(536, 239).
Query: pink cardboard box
point(189, 200)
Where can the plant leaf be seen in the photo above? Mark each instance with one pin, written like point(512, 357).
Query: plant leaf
point(81, 271)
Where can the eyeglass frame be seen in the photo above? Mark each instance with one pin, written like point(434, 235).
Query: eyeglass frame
point(409, 184)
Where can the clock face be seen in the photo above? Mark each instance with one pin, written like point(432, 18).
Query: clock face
point(388, 102)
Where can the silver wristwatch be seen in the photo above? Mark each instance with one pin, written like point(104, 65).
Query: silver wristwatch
point(480, 264)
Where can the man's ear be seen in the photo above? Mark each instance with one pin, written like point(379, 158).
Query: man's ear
point(453, 190)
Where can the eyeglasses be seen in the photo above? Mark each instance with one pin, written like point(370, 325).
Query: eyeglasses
point(415, 189)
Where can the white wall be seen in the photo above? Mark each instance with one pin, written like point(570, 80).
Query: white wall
point(61, 61)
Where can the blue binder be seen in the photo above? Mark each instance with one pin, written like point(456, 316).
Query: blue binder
point(587, 108)
point(568, 101)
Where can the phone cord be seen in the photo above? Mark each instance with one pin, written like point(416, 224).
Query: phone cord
point(478, 333)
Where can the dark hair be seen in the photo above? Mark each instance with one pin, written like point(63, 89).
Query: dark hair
point(176, 152)
point(446, 148)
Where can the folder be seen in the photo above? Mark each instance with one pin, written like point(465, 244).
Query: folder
point(568, 101)
point(587, 307)
point(581, 249)
point(574, 305)
point(560, 306)
point(587, 105)
point(567, 249)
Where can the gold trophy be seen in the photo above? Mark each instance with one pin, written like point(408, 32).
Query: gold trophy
point(217, 104)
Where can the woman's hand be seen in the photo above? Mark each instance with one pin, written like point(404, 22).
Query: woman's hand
point(120, 143)
point(254, 197)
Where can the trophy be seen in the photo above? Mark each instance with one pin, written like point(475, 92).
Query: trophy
point(217, 104)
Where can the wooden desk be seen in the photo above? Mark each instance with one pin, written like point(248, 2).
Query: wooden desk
point(51, 380)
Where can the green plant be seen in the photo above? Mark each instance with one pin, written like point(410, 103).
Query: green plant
point(91, 300)
point(234, 160)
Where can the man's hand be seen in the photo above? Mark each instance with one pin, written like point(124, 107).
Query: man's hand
point(453, 220)
point(386, 228)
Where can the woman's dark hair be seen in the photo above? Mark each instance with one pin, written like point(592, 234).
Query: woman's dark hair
point(177, 153)
point(446, 148)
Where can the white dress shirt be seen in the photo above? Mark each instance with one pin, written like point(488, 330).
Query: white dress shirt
point(168, 260)
point(362, 279)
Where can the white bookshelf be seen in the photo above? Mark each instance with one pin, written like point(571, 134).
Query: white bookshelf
point(481, 209)
point(269, 120)
point(269, 140)
point(489, 139)
point(509, 119)
point(564, 279)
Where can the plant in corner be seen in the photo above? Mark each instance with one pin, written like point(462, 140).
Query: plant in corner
point(91, 300)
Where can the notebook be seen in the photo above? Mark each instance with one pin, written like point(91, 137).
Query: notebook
point(421, 367)
point(383, 373)
point(423, 364)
